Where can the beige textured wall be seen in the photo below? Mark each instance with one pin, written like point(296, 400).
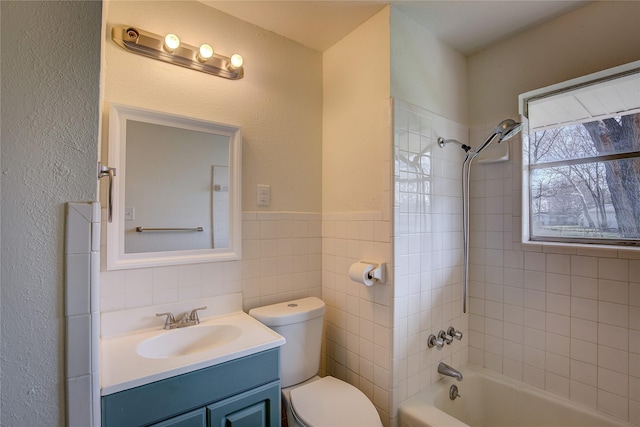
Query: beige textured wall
point(50, 74)
point(598, 36)
point(278, 103)
point(425, 71)
point(356, 118)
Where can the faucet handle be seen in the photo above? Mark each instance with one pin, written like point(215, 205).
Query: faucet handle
point(453, 333)
point(170, 321)
point(444, 337)
point(194, 314)
point(434, 341)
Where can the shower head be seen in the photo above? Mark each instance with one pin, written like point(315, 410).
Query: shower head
point(507, 129)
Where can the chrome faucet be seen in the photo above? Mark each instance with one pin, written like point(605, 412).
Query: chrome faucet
point(184, 320)
point(447, 370)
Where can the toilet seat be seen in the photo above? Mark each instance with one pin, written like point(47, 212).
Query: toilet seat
point(329, 402)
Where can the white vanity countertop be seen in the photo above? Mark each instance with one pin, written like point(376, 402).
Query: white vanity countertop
point(121, 367)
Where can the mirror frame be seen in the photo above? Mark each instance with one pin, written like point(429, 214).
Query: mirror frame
point(117, 259)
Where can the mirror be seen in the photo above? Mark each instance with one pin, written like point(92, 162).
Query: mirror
point(176, 198)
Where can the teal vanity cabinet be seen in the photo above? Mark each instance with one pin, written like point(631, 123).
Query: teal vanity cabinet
point(197, 418)
point(244, 392)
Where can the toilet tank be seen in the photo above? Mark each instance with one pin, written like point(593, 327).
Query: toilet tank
point(300, 323)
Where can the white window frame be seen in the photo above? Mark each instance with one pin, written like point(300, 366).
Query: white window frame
point(546, 92)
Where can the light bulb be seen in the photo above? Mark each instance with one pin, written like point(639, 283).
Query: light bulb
point(236, 61)
point(205, 52)
point(171, 42)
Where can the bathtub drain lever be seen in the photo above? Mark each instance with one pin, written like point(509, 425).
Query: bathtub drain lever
point(453, 392)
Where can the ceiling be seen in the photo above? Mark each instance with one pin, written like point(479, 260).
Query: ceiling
point(466, 25)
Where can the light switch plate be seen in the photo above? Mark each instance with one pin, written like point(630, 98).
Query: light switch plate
point(129, 213)
point(264, 195)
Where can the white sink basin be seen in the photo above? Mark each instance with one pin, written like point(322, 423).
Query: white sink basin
point(186, 341)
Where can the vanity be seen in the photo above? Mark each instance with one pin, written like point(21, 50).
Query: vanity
point(222, 372)
point(242, 392)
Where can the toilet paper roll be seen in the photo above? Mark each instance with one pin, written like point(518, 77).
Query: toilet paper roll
point(359, 272)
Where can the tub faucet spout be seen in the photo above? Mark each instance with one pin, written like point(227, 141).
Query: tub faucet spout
point(447, 370)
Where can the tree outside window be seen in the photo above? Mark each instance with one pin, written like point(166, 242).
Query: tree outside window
point(585, 180)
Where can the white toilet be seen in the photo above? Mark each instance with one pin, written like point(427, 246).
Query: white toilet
point(311, 401)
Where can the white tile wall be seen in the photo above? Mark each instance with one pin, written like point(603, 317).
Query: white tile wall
point(82, 313)
point(569, 319)
point(358, 321)
point(281, 260)
point(427, 237)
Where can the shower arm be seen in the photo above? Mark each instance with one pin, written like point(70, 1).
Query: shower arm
point(442, 142)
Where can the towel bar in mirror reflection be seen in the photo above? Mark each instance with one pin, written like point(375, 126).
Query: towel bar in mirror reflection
point(143, 229)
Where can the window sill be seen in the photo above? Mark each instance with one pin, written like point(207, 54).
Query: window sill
point(604, 251)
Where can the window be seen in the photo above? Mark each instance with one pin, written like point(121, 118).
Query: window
point(581, 156)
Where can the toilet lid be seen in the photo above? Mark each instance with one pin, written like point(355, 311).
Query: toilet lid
point(329, 402)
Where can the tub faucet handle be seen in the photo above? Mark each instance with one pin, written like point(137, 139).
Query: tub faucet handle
point(444, 337)
point(453, 333)
point(434, 341)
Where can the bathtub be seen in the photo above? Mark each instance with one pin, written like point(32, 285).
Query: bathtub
point(489, 399)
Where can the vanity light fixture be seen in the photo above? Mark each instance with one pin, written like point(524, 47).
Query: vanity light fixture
point(171, 49)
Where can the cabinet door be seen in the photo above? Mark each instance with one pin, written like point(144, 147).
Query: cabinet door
point(259, 407)
point(197, 418)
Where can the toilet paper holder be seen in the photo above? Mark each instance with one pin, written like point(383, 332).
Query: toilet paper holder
point(375, 271)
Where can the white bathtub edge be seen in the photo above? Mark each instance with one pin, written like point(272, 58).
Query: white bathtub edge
point(414, 416)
